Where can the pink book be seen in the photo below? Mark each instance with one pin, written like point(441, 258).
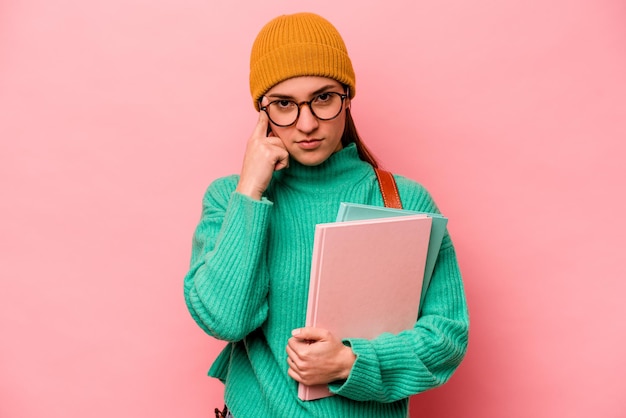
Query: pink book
point(366, 279)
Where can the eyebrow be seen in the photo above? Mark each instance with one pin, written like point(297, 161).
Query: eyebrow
point(315, 93)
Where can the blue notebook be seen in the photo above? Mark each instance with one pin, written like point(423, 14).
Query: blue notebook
point(355, 212)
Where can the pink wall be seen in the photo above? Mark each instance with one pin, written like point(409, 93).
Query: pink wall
point(114, 117)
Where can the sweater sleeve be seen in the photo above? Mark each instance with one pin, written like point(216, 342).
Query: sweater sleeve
point(227, 284)
point(392, 367)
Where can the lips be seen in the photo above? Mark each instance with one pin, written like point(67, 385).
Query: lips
point(309, 143)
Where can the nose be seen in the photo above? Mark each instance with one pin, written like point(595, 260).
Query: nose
point(307, 122)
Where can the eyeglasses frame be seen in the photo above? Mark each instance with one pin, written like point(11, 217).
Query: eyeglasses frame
point(264, 108)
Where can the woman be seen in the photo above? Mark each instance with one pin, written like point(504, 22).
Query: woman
point(250, 264)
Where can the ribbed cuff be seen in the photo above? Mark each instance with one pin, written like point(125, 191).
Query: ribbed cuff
point(364, 376)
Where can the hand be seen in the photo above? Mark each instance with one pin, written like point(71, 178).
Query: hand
point(316, 356)
point(264, 155)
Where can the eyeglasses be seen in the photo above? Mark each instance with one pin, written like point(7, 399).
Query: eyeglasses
point(325, 106)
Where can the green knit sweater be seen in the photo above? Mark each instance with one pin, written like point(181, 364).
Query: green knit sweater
point(248, 284)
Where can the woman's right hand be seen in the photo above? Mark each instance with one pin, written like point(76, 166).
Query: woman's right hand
point(264, 155)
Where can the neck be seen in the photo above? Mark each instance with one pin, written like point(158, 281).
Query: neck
point(340, 166)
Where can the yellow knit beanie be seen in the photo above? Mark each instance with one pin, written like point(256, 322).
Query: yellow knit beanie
point(295, 45)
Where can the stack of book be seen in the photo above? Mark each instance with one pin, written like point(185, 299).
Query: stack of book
point(370, 270)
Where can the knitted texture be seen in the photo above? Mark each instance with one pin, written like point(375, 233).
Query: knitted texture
point(248, 284)
point(301, 44)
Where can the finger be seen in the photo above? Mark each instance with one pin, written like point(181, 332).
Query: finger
point(264, 102)
point(291, 353)
point(310, 334)
point(276, 141)
point(282, 162)
point(293, 364)
point(294, 375)
point(292, 361)
point(260, 131)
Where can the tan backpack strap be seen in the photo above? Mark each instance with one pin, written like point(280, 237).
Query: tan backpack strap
point(389, 189)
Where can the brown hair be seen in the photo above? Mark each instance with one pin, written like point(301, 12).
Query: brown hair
point(351, 135)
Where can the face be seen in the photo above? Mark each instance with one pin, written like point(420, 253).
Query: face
point(310, 141)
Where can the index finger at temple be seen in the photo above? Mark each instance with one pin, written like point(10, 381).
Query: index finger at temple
point(261, 127)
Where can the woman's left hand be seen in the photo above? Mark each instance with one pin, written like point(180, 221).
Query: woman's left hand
point(316, 356)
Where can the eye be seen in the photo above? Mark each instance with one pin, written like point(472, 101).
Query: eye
point(284, 104)
point(324, 97)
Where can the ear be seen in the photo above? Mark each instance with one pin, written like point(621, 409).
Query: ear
point(346, 92)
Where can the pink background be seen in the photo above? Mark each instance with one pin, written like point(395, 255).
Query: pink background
point(115, 116)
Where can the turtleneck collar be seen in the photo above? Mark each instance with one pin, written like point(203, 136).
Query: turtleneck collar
point(340, 166)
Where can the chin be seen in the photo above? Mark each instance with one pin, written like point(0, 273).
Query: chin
point(310, 159)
